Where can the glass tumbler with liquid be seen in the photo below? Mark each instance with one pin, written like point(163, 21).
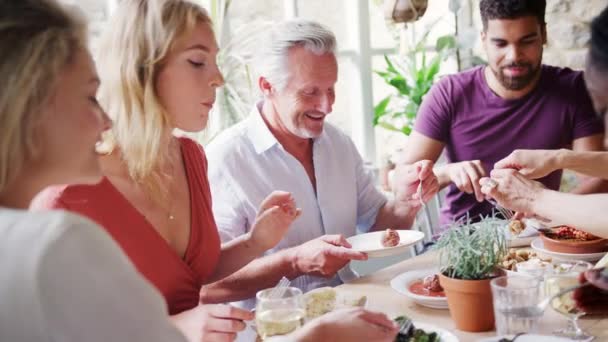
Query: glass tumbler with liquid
point(279, 312)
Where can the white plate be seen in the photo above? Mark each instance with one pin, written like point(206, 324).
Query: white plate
point(521, 242)
point(444, 335)
point(538, 245)
point(529, 338)
point(371, 243)
point(401, 284)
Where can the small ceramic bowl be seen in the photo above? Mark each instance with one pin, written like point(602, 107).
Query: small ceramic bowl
point(574, 246)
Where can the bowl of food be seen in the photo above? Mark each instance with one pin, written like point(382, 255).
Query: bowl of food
point(565, 239)
point(422, 287)
point(526, 262)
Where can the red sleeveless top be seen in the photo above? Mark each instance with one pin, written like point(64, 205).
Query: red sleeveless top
point(179, 280)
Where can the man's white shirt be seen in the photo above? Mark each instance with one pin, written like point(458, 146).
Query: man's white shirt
point(247, 163)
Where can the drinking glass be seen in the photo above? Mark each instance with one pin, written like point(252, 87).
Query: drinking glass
point(565, 274)
point(279, 312)
point(514, 299)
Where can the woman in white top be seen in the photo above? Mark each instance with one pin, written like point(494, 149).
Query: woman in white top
point(62, 278)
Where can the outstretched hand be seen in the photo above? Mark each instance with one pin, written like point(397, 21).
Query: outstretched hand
point(324, 256)
point(274, 218)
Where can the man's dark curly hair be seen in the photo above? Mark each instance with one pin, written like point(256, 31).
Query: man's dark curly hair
point(511, 9)
point(598, 50)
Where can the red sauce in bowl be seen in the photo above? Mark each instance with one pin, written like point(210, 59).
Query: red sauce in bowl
point(418, 288)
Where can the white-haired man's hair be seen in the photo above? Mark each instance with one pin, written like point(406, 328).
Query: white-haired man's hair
point(271, 59)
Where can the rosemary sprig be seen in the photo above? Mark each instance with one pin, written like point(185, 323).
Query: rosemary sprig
point(472, 250)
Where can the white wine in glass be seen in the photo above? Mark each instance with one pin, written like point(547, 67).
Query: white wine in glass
point(279, 312)
point(278, 322)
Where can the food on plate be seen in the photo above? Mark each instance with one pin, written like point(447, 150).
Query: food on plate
point(353, 301)
point(413, 334)
point(516, 227)
point(431, 283)
point(516, 256)
point(325, 299)
point(565, 239)
point(429, 286)
point(390, 238)
point(569, 233)
point(319, 301)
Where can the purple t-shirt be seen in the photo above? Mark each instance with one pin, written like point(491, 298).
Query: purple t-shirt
point(474, 123)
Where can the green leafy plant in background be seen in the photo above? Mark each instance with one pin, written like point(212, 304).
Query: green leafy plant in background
point(411, 76)
point(472, 251)
point(236, 97)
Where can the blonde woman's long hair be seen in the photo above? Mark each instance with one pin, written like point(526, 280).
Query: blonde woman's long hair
point(131, 54)
point(38, 40)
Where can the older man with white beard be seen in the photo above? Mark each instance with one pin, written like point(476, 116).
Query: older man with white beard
point(285, 144)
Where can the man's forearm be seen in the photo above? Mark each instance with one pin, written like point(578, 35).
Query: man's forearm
point(235, 254)
point(259, 274)
point(395, 214)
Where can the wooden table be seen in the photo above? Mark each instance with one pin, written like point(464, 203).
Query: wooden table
point(381, 297)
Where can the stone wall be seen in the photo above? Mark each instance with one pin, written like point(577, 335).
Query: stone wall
point(568, 30)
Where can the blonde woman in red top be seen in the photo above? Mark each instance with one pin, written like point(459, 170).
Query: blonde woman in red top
point(158, 69)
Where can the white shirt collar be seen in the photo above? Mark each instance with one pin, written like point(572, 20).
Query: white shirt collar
point(260, 135)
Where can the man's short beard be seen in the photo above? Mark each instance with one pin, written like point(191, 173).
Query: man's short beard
point(518, 82)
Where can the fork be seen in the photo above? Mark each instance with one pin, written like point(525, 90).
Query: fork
point(511, 340)
point(279, 289)
point(506, 213)
point(422, 204)
point(406, 326)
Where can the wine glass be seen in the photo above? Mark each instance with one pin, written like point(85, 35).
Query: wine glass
point(565, 274)
point(279, 312)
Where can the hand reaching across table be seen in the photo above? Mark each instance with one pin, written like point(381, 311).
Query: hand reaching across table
point(593, 299)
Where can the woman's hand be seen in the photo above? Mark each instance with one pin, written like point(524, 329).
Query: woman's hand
point(593, 299)
point(511, 190)
point(276, 214)
point(211, 322)
point(348, 325)
point(533, 164)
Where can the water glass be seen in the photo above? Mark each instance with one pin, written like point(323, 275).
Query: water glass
point(511, 296)
point(279, 312)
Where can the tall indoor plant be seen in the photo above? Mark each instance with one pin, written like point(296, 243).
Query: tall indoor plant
point(469, 256)
point(237, 96)
point(411, 76)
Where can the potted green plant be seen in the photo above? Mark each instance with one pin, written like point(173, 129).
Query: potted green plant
point(469, 255)
point(412, 76)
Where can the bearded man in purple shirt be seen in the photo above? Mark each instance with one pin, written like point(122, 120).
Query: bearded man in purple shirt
point(481, 115)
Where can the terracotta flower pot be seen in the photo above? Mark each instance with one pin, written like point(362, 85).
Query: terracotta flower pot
point(470, 303)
